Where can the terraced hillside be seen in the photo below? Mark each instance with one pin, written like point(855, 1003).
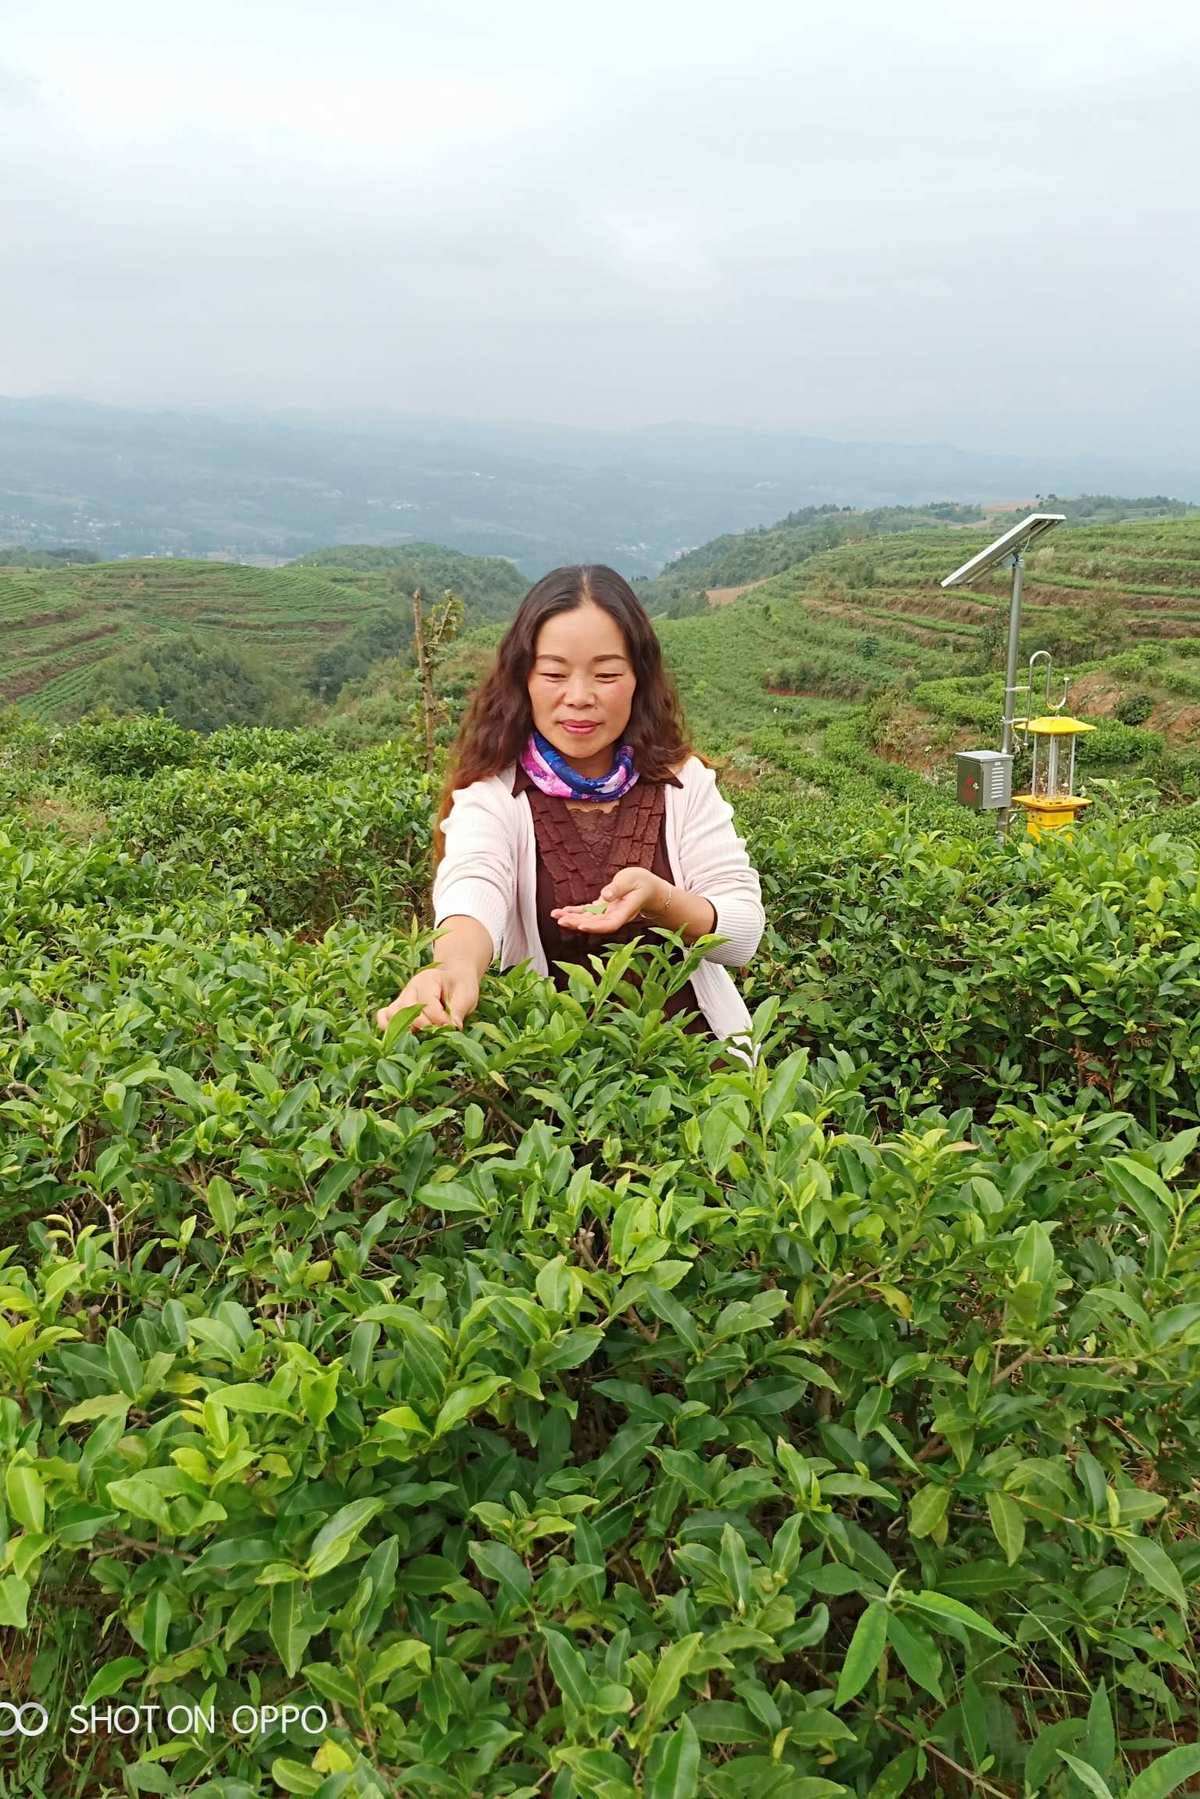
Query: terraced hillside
point(59, 627)
point(1123, 583)
point(489, 586)
point(1117, 604)
point(730, 565)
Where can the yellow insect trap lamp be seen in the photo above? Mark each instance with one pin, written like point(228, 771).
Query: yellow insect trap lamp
point(985, 776)
point(1051, 803)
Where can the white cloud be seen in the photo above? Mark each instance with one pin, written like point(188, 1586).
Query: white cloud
point(838, 218)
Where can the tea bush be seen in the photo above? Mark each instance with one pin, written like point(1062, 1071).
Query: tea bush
point(305, 845)
point(562, 1411)
point(250, 746)
point(1115, 742)
point(1135, 708)
point(120, 746)
point(964, 972)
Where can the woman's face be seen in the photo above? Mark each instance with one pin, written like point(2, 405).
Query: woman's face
point(582, 675)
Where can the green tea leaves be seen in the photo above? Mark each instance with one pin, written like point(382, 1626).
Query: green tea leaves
point(26, 1495)
point(289, 1628)
point(674, 1767)
point(1155, 1566)
point(555, 1402)
point(917, 1652)
point(1167, 1774)
point(941, 1607)
point(666, 1681)
point(862, 1656)
point(334, 1540)
point(721, 1130)
point(1008, 1524)
point(927, 1509)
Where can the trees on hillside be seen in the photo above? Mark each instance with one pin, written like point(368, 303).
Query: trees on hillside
point(200, 686)
point(383, 634)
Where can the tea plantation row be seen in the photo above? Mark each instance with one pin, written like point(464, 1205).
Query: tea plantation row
point(560, 1413)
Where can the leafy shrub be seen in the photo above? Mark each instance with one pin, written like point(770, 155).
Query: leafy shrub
point(50, 889)
point(860, 572)
point(967, 972)
point(964, 701)
point(828, 675)
point(688, 604)
point(199, 684)
point(553, 1407)
point(128, 746)
point(559, 1410)
point(1144, 659)
point(303, 848)
point(381, 635)
point(1135, 708)
point(1114, 742)
point(537, 1472)
point(249, 746)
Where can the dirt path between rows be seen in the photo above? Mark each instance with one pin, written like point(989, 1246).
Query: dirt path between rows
point(721, 596)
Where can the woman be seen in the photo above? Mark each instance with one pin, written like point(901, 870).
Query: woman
point(572, 786)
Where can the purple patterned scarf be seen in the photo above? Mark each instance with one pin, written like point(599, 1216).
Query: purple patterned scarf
point(553, 774)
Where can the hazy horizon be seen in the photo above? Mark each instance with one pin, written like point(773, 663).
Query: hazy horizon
point(230, 411)
point(850, 224)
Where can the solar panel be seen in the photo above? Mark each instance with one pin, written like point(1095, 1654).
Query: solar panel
point(1013, 541)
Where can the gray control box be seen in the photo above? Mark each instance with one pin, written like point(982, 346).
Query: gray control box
point(984, 779)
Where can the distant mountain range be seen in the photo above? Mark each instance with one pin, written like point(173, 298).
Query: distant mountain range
point(272, 488)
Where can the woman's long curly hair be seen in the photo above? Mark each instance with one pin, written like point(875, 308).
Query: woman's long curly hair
point(499, 718)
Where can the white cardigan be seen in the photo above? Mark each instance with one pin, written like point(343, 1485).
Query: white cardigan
point(489, 872)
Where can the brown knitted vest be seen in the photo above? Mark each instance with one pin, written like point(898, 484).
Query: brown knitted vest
point(578, 852)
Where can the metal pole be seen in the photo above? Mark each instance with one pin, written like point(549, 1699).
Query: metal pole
point(1004, 814)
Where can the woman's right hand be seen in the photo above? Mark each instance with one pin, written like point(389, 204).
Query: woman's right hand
point(446, 995)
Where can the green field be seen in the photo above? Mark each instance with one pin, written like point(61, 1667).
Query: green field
point(741, 558)
point(867, 631)
point(489, 586)
point(865, 621)
point(538, 1409)
point(60, 628)
point(1099, 586)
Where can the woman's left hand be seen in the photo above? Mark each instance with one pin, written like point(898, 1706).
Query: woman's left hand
point(631, 893)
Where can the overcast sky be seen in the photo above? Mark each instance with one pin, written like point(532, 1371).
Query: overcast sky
point(929, 221)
